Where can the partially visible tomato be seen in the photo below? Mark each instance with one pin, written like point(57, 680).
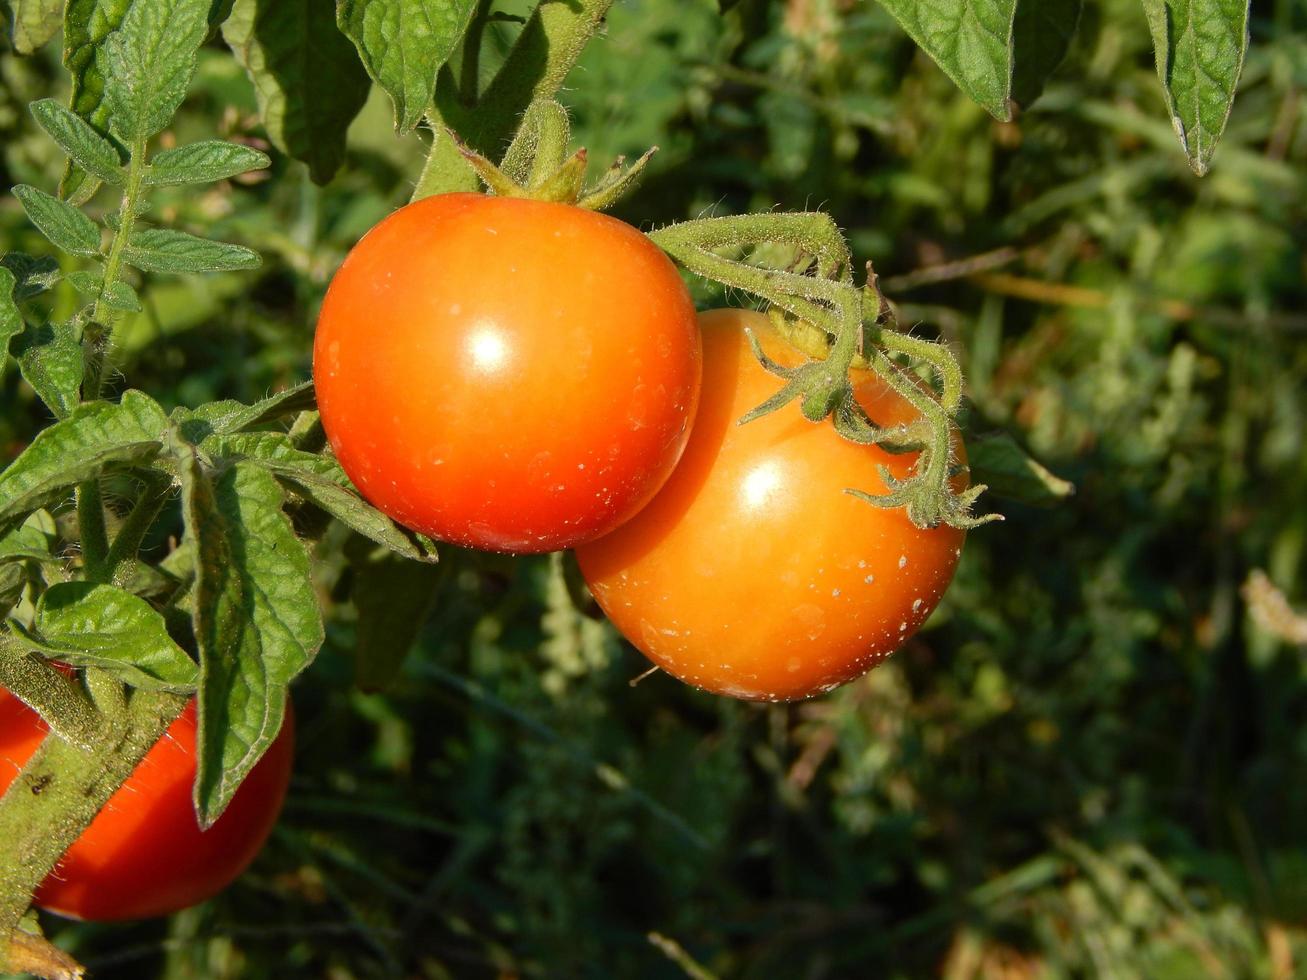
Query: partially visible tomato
point(144, 854)
point(507, 374)
point(753, 573)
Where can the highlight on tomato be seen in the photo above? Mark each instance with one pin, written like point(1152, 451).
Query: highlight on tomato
point(752, 573)
point(144, 855)
point(505, 373)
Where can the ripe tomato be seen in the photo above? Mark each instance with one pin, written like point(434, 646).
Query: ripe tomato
point(753, 573)
point(507, 374)
point(144, 854)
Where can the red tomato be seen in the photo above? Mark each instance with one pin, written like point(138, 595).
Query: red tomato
point(144, 854)
point(753, 573)
point(507, 374)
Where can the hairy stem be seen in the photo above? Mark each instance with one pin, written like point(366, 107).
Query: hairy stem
point(113, 264)
point(551, 41)
point(132, 531)
point(91, 529)
point(60, 791)
point(60, 703)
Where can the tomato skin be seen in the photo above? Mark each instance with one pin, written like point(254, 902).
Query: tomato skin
point(752, 573)
point(507, 374)
point(144, 855)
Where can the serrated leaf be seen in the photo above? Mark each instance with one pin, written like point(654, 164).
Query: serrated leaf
point(32, 539)
point(164, 250)
point(86, 24)
point(95, 436)
point(255, 617)
point(1041, 37)
point(90, 625)
point(321, 480)
point(1200, 47)
point(403, 44)
point(1010, 473)
point(393, 598)
point(62, 223)
point(32, 23)
point(50, 359)
point(77, 138)
point(233, 416)
point(147, 64)
point(33, 275)
point(11, 320)
point(203, 162)
point(970, 39)
point(290, 48)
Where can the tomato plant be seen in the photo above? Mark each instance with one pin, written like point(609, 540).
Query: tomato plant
point(144, 854)
point(506, 374)
point(753, 573)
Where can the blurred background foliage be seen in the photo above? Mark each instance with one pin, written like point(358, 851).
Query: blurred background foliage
point(1093, 761)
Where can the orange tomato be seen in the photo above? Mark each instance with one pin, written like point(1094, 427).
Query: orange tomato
point(144, 854)
point(753, 573)
point(507, 374)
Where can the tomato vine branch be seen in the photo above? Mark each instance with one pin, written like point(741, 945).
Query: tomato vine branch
point(817, 288)
point(545, 51)
point(60, 791)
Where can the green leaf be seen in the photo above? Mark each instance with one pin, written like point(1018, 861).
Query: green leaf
point(1010, 473)
point(51, 361)
point(164, 250)
point(1200, 47)
point(33, 275)
point(95, 436)
point(90, 625)
point(970, 39)
point(204, 162)
point(86, 24)
point(393, 598)
point(232, 416)
point(32, 23)
point(77, 138)
point(118, 296)
point(306, 74)
point(255, 617)
point(11, 321)
point(62, 223)
point(321, 480)
point(32, 539)
point(147, 64)
point(403, 44)
point(1041, 38)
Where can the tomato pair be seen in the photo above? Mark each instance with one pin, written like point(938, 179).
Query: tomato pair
point(522, 376)
point(144, 854)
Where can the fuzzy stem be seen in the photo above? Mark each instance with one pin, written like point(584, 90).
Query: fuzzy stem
point(90, 528)
point(152, 498)
point(551, 41)
point(60, 791)
point(60, 703)
point(113, 264)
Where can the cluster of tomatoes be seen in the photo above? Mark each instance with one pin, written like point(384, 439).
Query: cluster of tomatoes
point(525, 376)
point(522, 376)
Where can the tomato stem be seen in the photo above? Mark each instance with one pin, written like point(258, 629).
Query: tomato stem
point(844, 330)
point(545, 51)
point(61, 704)
point(58, 794)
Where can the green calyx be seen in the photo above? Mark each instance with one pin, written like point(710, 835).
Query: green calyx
point(800, 265)
point(537, 165)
